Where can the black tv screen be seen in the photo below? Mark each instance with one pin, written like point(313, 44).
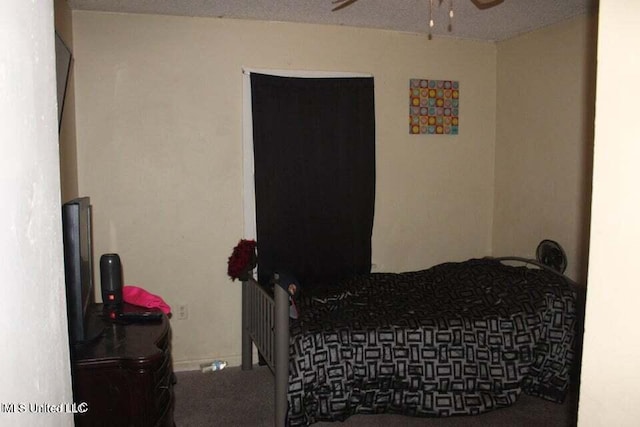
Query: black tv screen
point(78, 266)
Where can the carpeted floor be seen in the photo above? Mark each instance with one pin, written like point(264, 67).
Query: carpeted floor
point(236, 398)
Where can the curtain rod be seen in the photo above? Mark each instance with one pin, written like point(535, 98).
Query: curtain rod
point(304, 73)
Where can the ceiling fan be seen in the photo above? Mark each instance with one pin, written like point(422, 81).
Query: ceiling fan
point(480, 4)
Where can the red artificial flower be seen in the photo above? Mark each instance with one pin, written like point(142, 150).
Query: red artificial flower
point(242, 260)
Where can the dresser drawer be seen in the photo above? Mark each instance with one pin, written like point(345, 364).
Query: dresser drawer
point(126, 376)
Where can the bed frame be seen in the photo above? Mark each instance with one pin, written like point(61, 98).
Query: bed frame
point(265, 323)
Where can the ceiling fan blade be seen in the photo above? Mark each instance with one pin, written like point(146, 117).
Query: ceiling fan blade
point(343, 4)
point(486, 4)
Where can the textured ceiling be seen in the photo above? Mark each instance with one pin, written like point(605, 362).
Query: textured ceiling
point(501, 22)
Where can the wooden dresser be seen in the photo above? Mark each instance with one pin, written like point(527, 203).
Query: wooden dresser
point(125, 376)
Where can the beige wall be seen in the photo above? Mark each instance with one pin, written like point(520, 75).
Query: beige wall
point(67, 133)
point(159, 107)
point(609, 393)
point(544, 141)
point(34, 361)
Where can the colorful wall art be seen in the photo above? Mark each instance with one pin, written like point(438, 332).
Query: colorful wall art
point(434, 107)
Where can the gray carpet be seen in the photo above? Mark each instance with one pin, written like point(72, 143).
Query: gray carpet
point(233, 397)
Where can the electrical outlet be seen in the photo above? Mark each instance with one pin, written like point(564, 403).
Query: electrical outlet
point(183, 312)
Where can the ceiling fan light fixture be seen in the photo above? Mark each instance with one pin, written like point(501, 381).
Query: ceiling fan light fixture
point(431, 21)
point(341, 4)
point(480, 4)
point(486, 4)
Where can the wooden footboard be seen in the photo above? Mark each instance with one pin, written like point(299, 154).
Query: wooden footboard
point(265, 323)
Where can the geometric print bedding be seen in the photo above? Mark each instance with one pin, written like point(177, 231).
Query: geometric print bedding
point(455, 339)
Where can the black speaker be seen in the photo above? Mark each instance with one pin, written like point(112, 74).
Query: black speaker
point(111, 280)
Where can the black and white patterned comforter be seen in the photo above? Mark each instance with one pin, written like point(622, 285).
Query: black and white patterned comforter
point(458, 338)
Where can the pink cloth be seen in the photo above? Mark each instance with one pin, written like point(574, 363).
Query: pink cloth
point(138, 296)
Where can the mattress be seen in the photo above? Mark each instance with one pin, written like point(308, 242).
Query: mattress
point(455, 339)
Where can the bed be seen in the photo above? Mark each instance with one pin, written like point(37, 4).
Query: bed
point(459, 338)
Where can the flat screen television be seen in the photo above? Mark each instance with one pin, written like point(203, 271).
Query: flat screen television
point(78, 269)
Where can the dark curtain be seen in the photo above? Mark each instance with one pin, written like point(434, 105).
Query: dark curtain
point(314, 151)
